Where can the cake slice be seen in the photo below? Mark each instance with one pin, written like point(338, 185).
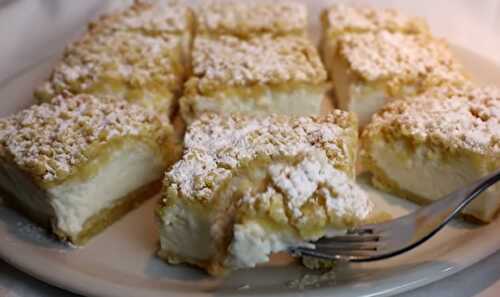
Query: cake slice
point(248, 187)
point(141, 69)
point(340, 19)
point(247, 18)
point(428, 146)
point(261, 75)
point(153, 18)
point(80, 163)
point(139, 54)
point(372, 68)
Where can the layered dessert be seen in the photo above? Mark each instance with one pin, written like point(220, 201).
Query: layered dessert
point(340, 19)
point(427, 146)
point(153, 18)
point(78, 164)
point(260, 75)
point(247, 18)
point(248, 187)
point(138, 55)
point(371, 69)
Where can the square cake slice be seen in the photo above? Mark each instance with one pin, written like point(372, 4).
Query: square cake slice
point(248, 187)
point(428, 146)
point(340, 19)
point(153, 18)
point(78, 164)
point(138, 68)
point(262, 75)
point(247, 18)
point(150, 17)
point(371, 69)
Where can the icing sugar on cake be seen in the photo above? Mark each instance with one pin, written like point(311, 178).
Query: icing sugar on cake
point(49, 140)
point(400, 57)
point(340, 18)
point(242, 17)
point(456, 118)
point(231, 61)
point(215, 145)
point(122, 56)
point(151, 17)
point(314, 174)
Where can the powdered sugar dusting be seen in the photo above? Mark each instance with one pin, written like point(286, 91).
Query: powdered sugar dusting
point(150, 17)
point(228, 60)
point(400, 58)
point(247, 17)
point(214, 145)
point(315, 174)
point(466, 118)
point(50, 140)
point(341, 18)
point(120, 57)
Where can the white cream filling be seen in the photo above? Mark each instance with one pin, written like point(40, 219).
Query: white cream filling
point(185, 234)
point(128, 169)
point(360, 98)
point(433, 178)
point(253, 244)
point(296, 102)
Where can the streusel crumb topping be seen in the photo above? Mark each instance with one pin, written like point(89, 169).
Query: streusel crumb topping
point(230, 61)
point(120, 57)
point(245, 18)
point(149, 17)
point(214, 145)
point(311, 177)
point(460, 119)
point(400, 58)
point(341, 18)
point(51, 139)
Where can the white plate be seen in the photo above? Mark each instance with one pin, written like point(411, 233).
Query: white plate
point(121, 261)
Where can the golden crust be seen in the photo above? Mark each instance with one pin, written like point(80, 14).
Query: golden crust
point(464, 119)
point(102, 61)
point(216, 144)
point(244, 19)
point(149, 17)
point(341, 18)
point(399, 59)
point(301, 194)
point(228, 61)
point(51, 141)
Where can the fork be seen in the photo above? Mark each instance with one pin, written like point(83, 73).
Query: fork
point(380, 241)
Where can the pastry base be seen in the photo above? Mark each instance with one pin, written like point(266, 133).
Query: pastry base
point(95, 224)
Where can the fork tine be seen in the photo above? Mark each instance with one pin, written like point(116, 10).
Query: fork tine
point(299, 251)
point(348, 246)
point(350, 238)
point(333, 254)
point(367, 229)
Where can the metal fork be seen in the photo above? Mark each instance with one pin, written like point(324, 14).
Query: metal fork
point(380, 241)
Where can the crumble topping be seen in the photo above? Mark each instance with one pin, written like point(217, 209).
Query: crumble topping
point(150, 17)
point(230, 61)
point(245, 18)
point(465, 118)
point(120, 57)
point(340, 18)
point(214, 145)
point(50, 140)
point(313, 176)
point(400, 58)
